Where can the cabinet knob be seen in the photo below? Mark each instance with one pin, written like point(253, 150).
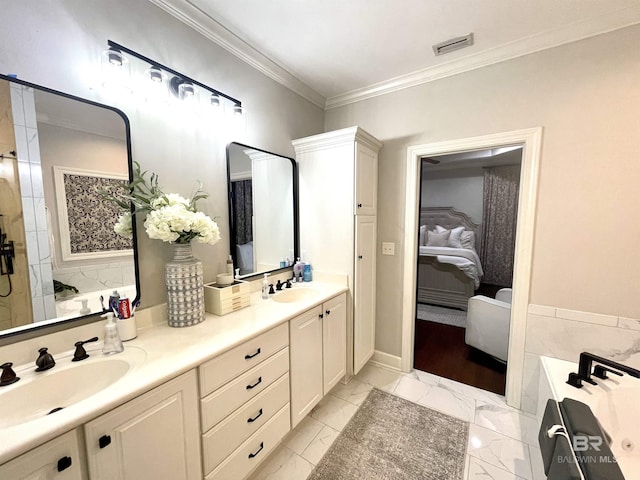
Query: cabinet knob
point(253, 419)
point(359, 257)
point(64, 463)
point(254, 454)
point(249, 387)
point(321, 316)
point(104, 441)
point(249, 357)
point(359, 205)
point(328, 312)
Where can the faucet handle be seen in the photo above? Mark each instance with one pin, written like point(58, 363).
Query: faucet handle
point(8, 375)
point(279, 285)
point(288, 283)
point(45, 360)
point(81, 353)
point(601, 372)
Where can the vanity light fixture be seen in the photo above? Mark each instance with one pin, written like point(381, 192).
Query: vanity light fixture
point(181, 86)
point(116, 70)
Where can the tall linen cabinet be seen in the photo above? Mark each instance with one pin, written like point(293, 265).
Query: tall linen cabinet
point(338, 173)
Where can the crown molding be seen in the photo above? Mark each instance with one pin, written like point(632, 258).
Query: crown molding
point(536, 43)
point(188, 13)
point(195, 18)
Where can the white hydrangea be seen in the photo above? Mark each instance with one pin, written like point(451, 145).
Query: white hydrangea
point(170, 199)
point(123, 226)
point(175, 222)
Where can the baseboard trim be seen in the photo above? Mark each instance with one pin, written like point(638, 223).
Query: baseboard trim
point(386, 360)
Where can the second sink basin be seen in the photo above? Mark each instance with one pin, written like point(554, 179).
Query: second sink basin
point(38, 393)
point(295, 295)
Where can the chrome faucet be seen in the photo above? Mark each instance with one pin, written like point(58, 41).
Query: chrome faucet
point(604, 365)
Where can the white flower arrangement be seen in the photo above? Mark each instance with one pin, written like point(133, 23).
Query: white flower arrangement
point(169, 216)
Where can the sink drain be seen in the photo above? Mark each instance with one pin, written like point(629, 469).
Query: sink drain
point(57, 409)
point(627, 445)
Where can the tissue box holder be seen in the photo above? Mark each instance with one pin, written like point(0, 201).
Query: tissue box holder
point(221, 300)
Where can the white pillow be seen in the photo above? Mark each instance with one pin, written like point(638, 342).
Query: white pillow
point(454, 238)
point(423, 235)
point(439, 229)
point(468, 240)
point(438, 239)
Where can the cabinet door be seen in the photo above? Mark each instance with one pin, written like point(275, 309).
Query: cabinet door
point(364, 297)
point(58, 459)
point(334, 341)
point(366, 180)
point(153, 436)
point(305, 344)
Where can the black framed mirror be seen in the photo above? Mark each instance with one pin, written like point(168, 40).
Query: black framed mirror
point(263, 209)
point(57, 152)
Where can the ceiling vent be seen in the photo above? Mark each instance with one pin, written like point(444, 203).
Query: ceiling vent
point(453, 44)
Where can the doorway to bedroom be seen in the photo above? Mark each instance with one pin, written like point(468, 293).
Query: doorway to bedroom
point(467, 226)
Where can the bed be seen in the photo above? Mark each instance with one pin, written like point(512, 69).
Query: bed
point(448, 275)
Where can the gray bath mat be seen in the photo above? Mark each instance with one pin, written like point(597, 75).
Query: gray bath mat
point(390, 438)
point(448, 316)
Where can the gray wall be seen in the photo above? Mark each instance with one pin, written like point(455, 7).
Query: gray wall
point(585, 96)
point(58, 45)
point(460, 189)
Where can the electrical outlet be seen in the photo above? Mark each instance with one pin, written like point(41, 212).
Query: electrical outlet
point(388, 248)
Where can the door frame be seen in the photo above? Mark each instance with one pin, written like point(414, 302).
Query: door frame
point(531, 141)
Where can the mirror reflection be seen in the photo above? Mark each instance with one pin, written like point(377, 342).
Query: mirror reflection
point(262, 209)
point(58, 152)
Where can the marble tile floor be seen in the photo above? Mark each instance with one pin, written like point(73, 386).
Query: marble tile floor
point(502, 440)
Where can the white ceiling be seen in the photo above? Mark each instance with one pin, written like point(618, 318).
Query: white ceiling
point(341, 51)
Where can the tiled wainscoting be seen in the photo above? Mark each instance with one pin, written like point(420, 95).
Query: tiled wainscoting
point(561, 333)
point(502, 441)
point(96, 277)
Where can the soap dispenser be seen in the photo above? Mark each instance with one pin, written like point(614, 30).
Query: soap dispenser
point(112, 342)
point(265, 287)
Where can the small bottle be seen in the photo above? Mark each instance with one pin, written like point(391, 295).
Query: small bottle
point(112, 342)
point(113, 301)
point(297, 270)
point(237, 274)
point(283, 263)
point(230, 265)
point(265, 287)
point(307, 272)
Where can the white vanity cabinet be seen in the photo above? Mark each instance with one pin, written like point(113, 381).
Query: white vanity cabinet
point(338, 207)
point(58, 459)
point(318, 354)
point(245, 404)
point(156, 435)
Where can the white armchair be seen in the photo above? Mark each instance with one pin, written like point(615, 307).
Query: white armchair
point(488, 321)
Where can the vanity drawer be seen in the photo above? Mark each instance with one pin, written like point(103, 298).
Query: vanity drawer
point(252, 452)
point(223, 439)
point(225, 400)
point(230, 364)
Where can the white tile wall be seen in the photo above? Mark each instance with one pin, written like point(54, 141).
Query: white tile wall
point(564, 333)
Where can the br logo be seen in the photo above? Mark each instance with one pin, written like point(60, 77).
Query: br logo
point(581, 443)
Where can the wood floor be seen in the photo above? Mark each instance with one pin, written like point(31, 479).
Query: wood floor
point(440, 349)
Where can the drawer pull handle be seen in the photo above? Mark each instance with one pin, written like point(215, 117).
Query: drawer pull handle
point(249, 357)
point(249, 387)
point(104, 441)
point(64, 463)
point(251, 420)
point(255, 454)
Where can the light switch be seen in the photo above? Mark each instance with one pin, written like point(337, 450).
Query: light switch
point(388, 248)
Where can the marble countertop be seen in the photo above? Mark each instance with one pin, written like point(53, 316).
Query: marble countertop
point(169, 353)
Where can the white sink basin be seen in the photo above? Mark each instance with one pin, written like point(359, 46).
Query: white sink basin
point(36, 394)
point(295, 295)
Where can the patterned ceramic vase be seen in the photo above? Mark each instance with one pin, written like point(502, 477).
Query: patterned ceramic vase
point(185, 287)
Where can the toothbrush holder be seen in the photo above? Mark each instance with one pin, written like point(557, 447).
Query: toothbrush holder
point(127, 328)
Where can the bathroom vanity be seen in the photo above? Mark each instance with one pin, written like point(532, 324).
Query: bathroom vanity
point(209, 401)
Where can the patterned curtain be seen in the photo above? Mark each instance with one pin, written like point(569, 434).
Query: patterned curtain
point(500, 214)
point(243, 210)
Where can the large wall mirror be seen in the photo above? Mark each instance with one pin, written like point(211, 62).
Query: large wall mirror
point(59, 253)
point(263, 209)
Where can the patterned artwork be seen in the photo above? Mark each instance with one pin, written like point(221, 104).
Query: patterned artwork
point(91, 218)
